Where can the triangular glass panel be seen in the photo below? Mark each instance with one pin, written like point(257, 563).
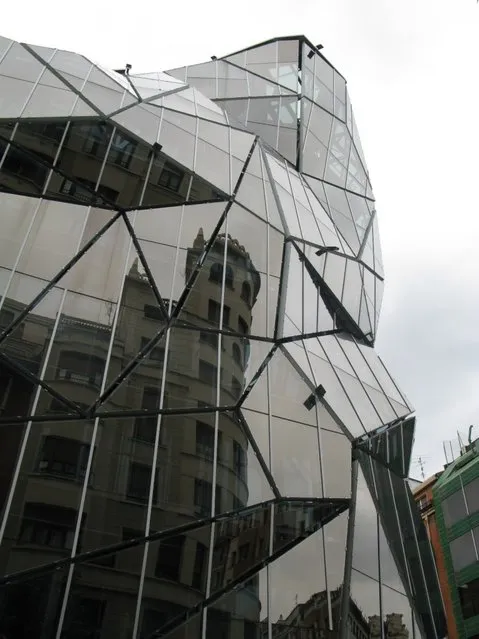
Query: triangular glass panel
point(303, 568)
point(366, 531)
point(295, 458)
point(335, 450)
point(304, 304)
point(364, 603)
point(19, 63)
point(150, 85)
point(378, 262)
point(255, 191)
point(341, 215)
point(289, 391)
point(335, 396)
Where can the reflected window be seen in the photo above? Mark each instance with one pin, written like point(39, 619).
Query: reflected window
point(214, 313)
point(236, 387)
point(204, 496)
point(201, 556)
point(469, 598)
point(209, 338)
point(243, 326)
point(237, 355)
point(83, 190)
point(246, 292)
point(169, 558)
point(207, 373)
point(98, 138)
point(157, 353)
point(145, 427)
point(239, 460)
point(6, 317)
point(171, 177)
point(29, 173)
point(80, 368)
point(216, 274)
point(47, 525)
point(471, 491)
point(84, 618)
point(63, 457)
point(205, 440)
point(463, 551)
point(153, 312)
point(454, 508)
point(139, 479)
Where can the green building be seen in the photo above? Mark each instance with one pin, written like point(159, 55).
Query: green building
point(456, 497)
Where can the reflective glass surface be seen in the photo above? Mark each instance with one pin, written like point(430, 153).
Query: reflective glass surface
point(198, 438)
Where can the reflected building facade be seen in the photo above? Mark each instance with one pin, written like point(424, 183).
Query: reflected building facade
point(198, 438)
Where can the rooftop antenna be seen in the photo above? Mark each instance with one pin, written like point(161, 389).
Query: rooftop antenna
point(422, 464)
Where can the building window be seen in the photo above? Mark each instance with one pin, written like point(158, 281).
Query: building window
point(246, 293)
point(463, 552)
point(84, 618)
point(214, 313)
point(157, 353)
point(216, 274)
point(205, 440)
point(204, 496)
point(168, 564)
point(239, 460)
point(97, 139)
point(80, 368)
point(171, 177)
point(242, 326)
point(139, 479)
point(469, 598)
point(471, 491)
point(151, 311)
point(86, 191)
point(63, 457)
point(25, 167)
point(236, 387)
point(243, 552)
point(209, 338)
point(145, 427)
point(237, 355)
point(454, 508)
point(199, 566)
point(47, 525)
point(6, 317)
point(208, 373)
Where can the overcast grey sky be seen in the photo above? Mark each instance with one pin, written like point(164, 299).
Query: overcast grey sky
point(412, 69)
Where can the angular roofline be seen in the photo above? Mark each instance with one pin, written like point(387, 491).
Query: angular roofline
point(300, 38)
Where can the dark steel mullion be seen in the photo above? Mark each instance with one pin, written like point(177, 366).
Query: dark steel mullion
point(302, 336)
point(116, 414)
point(26, 374)
point(219, 331)
point(348, 561)
point(183, 618)
point(146, 207)
point(145, 265)
point(58, 277)
point(258, 453)
point(281, 305)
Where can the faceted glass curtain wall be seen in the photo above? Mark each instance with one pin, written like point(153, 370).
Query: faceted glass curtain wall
point(197, 436)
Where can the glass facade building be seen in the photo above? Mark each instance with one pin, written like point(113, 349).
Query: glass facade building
point(198, 439)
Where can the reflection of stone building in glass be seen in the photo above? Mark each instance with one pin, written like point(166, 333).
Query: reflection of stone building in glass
point(48, 493)
point(195, 427)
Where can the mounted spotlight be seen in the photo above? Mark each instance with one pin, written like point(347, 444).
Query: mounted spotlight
point(319, 47)
point(310, 54)
point(327, 249)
